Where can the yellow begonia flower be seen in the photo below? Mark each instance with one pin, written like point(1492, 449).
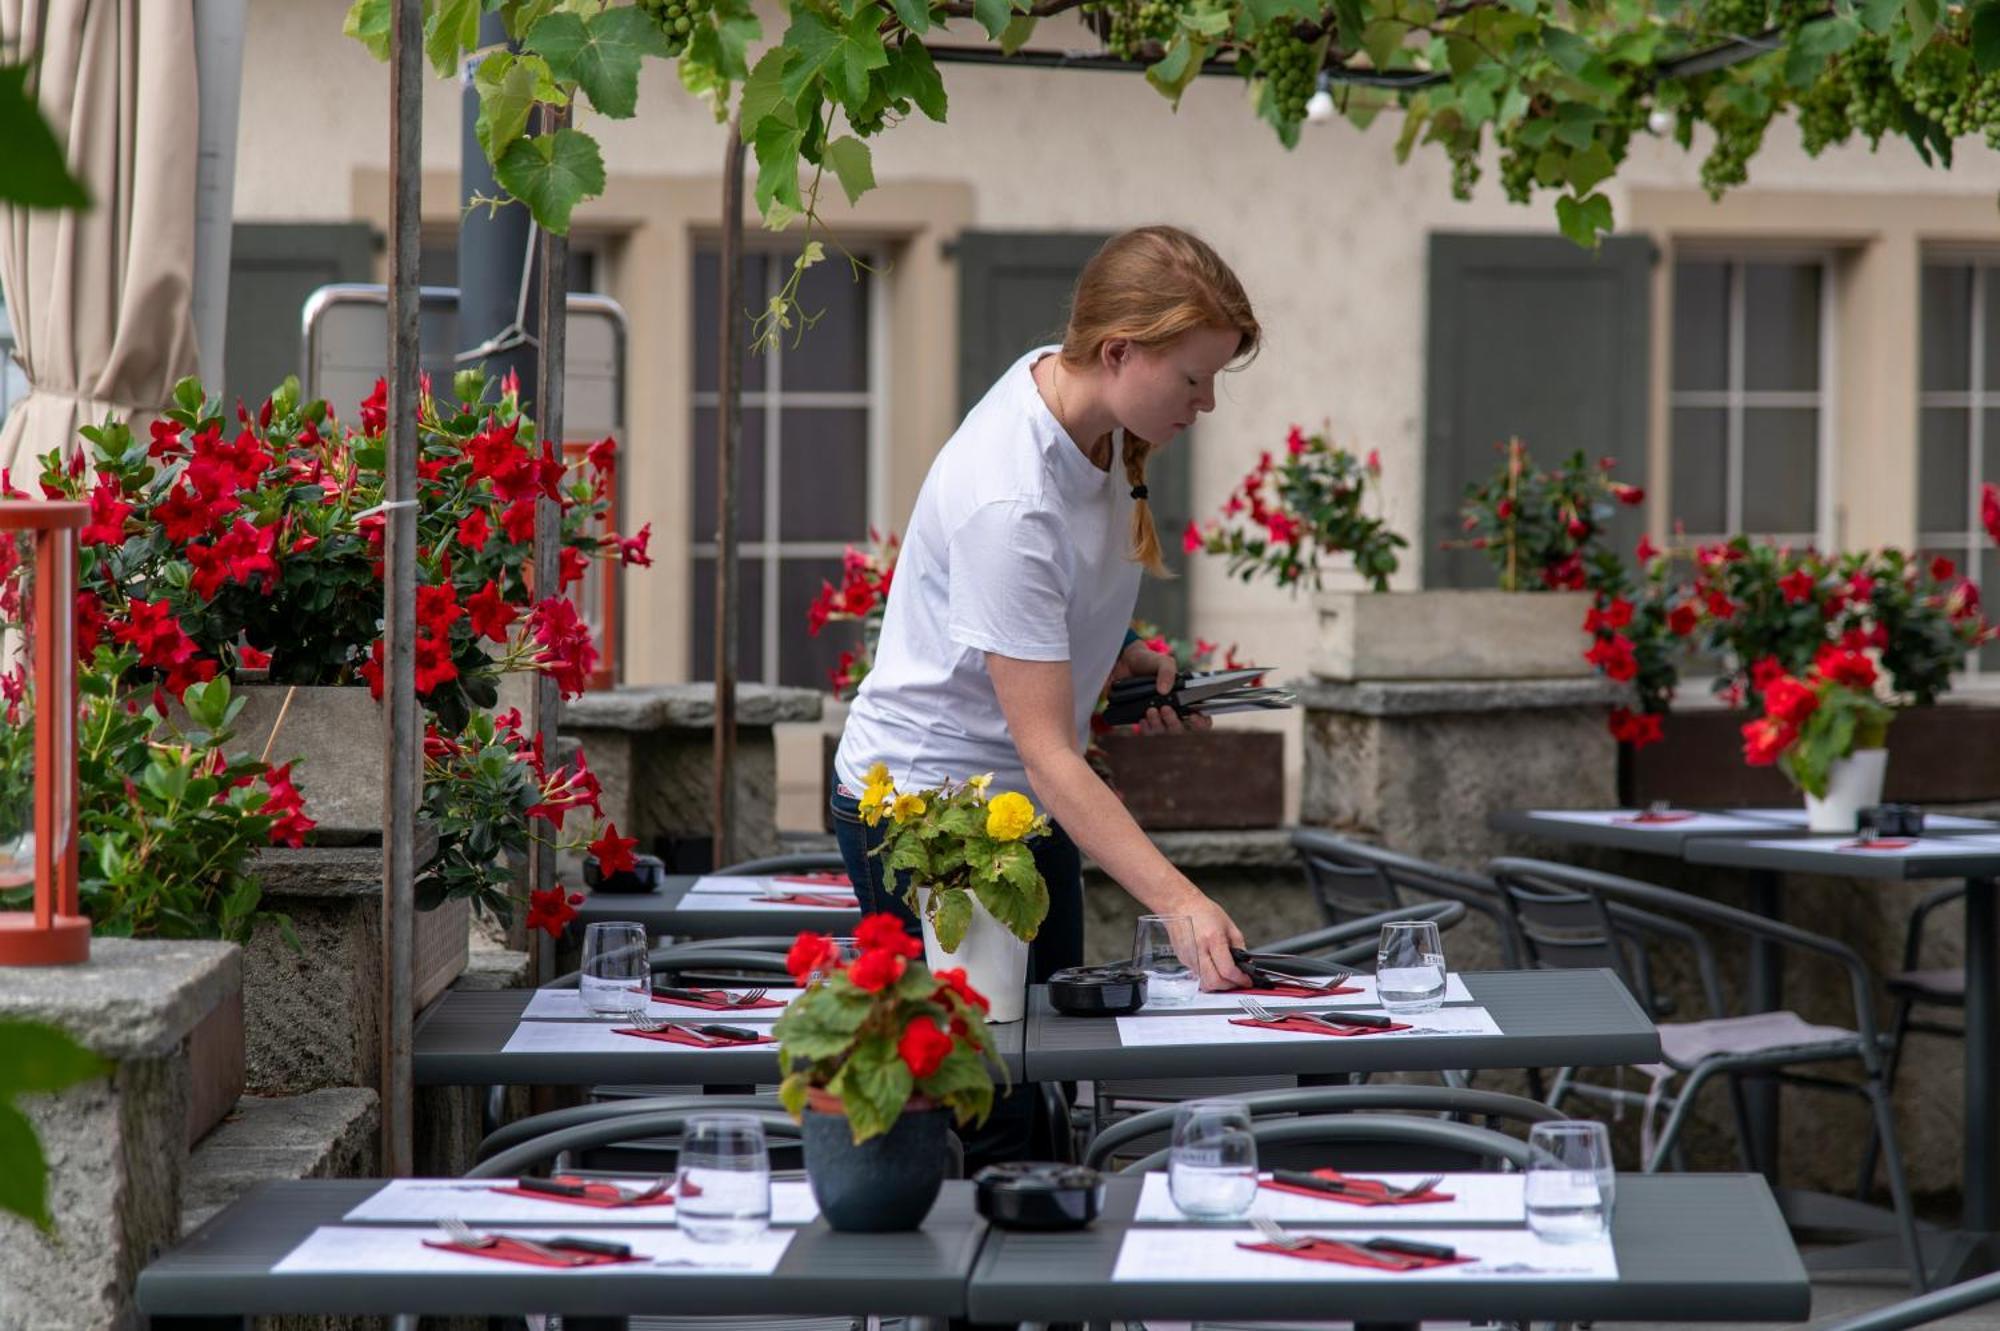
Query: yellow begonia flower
point(979, 783)
point(874, 802)
point(878, 775)
point(1010, 816)
point(908, 807)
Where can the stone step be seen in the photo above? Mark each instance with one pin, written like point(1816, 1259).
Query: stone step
point(321, 1134)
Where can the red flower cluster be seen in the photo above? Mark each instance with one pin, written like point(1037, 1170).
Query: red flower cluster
point(862, 597)
point(887, 949)
point(1636, 728)
point(1789, 701)
point(283, 802)
point(567, 652)
point(551, 909)
point(613, 852)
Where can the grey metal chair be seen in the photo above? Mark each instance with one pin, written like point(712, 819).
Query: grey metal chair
point(510, 1135)
point(808, 861)
point(1493, 1107)
point(1350, 878)
point(1466, 1146)
point(1563, 915)
point(1915, 987)
point(1925, 1308)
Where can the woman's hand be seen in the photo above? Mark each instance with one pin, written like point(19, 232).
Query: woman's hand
point(1138, 661)
point(1214, 934)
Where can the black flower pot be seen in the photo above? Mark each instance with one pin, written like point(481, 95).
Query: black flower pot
point(886, 1183)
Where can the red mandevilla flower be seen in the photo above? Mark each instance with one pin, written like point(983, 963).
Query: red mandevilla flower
point(1797, 585)
point(614, 852)
point(633, 550)
point(491, 615)
point(1681, 620)
point(108, 511)
point(1844, 666)
point(551, 909)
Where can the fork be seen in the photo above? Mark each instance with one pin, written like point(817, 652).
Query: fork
point(464, 1236)
point(1258, 1012)
point(748, 997)
point(1274, 1235)
point(1269, 1231)
point(1417, 1189)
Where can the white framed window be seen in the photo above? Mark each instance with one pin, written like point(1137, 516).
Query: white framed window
point(13, 383)
point(811, 476)
point(1750, 438)
point(1958, 418)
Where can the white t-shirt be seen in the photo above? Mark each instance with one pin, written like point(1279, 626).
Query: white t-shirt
point(1018, 545)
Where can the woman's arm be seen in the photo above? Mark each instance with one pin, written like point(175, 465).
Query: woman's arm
point(1036, 698)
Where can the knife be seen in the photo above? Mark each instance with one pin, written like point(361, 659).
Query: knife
point(552, 1187)
point(1341, 1017)
point(597, 1247)
point(1300, 1179)
point(691, 995)
point(726, 1032)
point(1411, 1248)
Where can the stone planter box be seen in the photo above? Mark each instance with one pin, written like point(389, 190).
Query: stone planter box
point(1210, 779)
point(215, 1066)
point(1451, 635)
point(335, 735)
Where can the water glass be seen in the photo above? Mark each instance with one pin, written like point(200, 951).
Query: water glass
point(1212, 1163)
point(617, 973)
point(722, 1188)
point(1163, 947)
point(1570, 1184)
point(1409, 967)
point(846, 950)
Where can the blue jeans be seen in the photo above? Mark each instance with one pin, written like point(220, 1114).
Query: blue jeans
point(1009, 1134)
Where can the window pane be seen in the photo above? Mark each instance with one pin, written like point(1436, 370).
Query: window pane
point(823, 473)
point(1700, 468)
point(1780, 469)
point(1989, 445)
point(833, 355)
point(749, 623)
point(1989, 578)
point(1947, 330)
point(1781, 325)
point(708, 315)
point(802, 659)
point(749, 477)
point(1941, 454)
point(1701, 325)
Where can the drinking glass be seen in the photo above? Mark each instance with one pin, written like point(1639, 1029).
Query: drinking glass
point(722, 1187)
point(1163, 947)
point(1212, 1163)
point(1570, 1185)
point(845, 950)
point(1409, 967)
point(617, 974)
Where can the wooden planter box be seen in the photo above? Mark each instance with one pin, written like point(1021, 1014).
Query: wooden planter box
point(1460, 635)
point(215, 1066)
point(1947, 754)
point(1213, 779)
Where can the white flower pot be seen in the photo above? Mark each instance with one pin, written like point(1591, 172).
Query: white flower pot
point(995, 963)
point(1854, 783)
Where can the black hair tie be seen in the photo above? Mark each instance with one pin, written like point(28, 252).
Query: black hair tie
point(1138, 492)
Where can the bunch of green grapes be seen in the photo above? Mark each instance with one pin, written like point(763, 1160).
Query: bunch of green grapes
point(1517, 168)
point(676, 19)
point(1735, 18)
point(1737, 137)
point(1286, 62)
point(1939, 87)
point(1464, 169)
point(1136, 27)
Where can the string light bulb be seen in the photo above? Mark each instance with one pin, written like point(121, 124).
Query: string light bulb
point(1319, 107)
point(1660, 120)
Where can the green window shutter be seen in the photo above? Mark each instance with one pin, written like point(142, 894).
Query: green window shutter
point(1014, 291)
point(273, 267)
point(1530, 336)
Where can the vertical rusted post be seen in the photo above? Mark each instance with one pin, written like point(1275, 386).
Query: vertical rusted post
point(546, 711)
point(729, 433)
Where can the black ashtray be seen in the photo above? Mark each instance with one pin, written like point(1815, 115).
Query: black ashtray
point(1097, 991)
point(646, 875)
point(1031, 1194)
point(1886, 820)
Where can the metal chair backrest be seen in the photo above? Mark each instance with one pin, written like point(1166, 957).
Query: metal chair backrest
point(1350, 878)
point(778, 1127)
point(815, 861)
point(509, 1135)
point(1372, 1141)
point(1353, 943)
point(1926, 1309)
point(1562, 927)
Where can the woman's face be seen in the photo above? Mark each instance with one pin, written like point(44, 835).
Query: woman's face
point(1156, 393)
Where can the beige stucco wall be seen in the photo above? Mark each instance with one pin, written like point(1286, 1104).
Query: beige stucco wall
point(1330, 240)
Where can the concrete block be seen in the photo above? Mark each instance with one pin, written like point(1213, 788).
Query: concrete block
point(322, 1134)
point(1451, 635)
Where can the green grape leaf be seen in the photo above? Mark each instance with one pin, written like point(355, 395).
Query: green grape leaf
point(601, 56)
point(1816, 44)
point(1986, 36)
point(42, 1058)
point(913, 75)
point(1590, 166)
point(851, 162)
point(1173, 72)
point(1878, 16)
point(24, 1173)
point(993, 15)
point(915, 15)
point(843, 57)
point(1583, 219)
point(1021, 27)
point(1923, 17)
point(777, 140)
point(368, 23)
point(764, 91)
point(506, 85)
point(36, 175)
point(736, 26)
point(552, 173)
point(451, 28)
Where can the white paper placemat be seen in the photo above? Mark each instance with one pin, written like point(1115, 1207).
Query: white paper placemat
point(1926, 848)
point(754, 884)
point(1142, 1032)
point(567, 1005)
point(1477, 1199)
point(1203, 1253)
point(1454, 992)
point(595, 1037)
point(475, 1202)
point(347, 1250)
point(1796, 817)
point(744, 901)
point(1700, 822)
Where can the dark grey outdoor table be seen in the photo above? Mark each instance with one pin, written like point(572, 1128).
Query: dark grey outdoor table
point(1691, 1247)
point(1672, 838)
point(458, 1043)
point(223, 1270)
point(1547, 1019)
point(656, 910)
point(1976, 1247)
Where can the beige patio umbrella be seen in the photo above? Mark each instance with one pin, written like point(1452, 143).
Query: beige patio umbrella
point(101, 300)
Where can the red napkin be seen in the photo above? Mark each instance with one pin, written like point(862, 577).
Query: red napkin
point(1335, 1176)
point(813, 899)
point(675, 1035)
point(602, 1195)
point(1297, 991)
point(814, 879)
point(1314, 1028)
point(509, 1250)
point(1878, 843)
point(1669, 816)
point(720, 1003)
point(1348, 1254)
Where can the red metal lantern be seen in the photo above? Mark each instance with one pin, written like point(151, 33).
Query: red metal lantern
point(38, 543)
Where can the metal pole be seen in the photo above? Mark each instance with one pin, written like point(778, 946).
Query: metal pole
point(729, 433)
point(494, 310)
point(400, 744)
point(545, 715)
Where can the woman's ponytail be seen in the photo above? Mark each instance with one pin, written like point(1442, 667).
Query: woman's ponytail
point(1151, 286)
